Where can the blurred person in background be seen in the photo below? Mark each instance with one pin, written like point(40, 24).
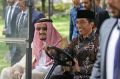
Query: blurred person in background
point(100, 13)
point(73, 12)
point(11, 12)
point(107, 65)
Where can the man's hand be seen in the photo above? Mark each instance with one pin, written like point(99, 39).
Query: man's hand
point(76, 67)
point(48, 49)
point(17, 71)
point(16, 74)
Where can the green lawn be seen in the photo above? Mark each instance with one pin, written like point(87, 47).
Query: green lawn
point(1, 26)
point(3, 51)
point(3, 48)
point(61, 23)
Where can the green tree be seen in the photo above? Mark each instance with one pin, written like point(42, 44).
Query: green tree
point(43, 5)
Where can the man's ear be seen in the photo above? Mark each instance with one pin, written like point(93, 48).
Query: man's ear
point(92, 24)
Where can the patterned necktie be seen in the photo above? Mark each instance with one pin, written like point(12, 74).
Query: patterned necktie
point(9, 15)
point(8, 21)
point(117, 58)
point(21, 21)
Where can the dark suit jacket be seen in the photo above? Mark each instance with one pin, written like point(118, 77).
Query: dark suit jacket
point(11, 27)
point(99, 69)
point(23, 30)
point(101, 16)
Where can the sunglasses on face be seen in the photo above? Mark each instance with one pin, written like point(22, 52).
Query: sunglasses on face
point(41, 28)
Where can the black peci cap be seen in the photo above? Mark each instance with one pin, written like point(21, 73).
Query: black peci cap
point(85, 14)
point(44, 20)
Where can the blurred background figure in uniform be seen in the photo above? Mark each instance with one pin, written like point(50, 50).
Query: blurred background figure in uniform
point(73, 32)
point(11, 12)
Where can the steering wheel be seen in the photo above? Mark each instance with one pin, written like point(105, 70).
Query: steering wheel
point(61, 57)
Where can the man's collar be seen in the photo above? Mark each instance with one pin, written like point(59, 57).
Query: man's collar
point(77, 6)
point(25, 12)
point(119, 24)
point(88, 37)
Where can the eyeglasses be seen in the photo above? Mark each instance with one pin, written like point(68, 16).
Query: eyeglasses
point(41, 28)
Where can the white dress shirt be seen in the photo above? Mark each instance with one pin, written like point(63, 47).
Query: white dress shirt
point(111, 52)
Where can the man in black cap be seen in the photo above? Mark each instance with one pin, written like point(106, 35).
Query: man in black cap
point(83, 48)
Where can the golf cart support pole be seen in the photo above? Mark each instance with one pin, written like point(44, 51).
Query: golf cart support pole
point(49, 6)
point(51, 70)
point(29, 40)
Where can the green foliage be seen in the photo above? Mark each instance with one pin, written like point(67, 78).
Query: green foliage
point(60, 7)
point(38, 6)
point(57, 7)
point(3, 48)
point(2, 2)
point(3, 51)
point(61, 24)
point(1, 26)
